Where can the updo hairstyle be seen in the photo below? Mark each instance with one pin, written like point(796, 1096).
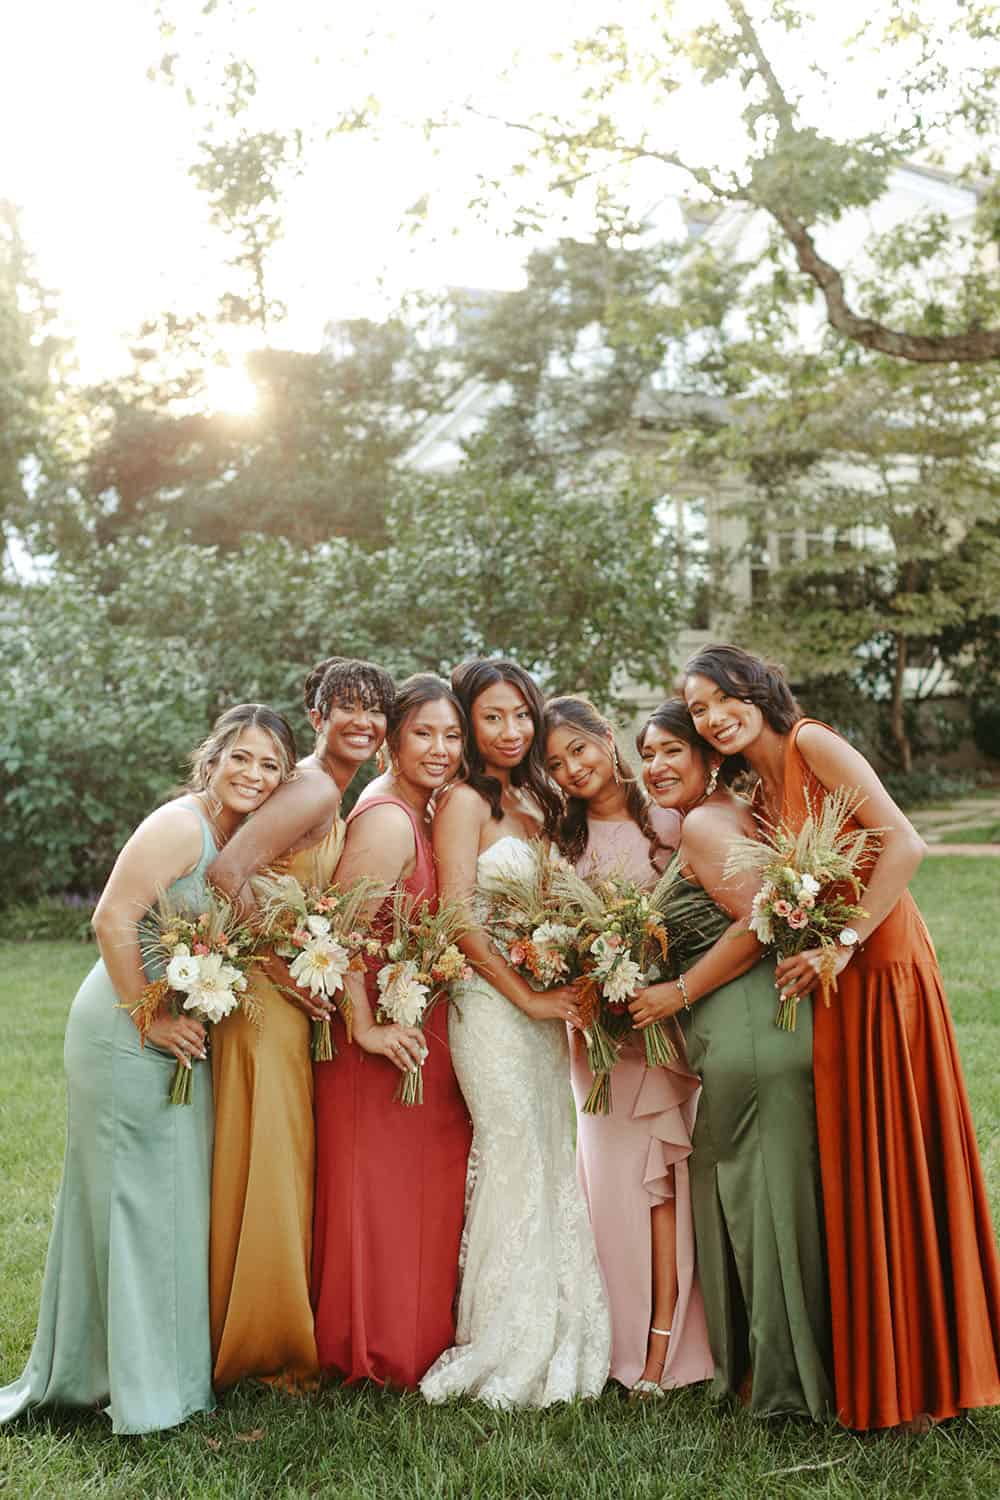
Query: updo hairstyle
point(347, 683)
point(226, 731)
point(413, 693)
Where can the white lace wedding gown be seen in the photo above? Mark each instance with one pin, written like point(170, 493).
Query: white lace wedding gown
point(533, 1325)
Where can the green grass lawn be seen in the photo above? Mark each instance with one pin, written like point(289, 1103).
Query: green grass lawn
point(361, 1443)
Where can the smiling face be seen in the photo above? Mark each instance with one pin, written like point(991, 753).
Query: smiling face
point(675, 773)
point(503, 726)
point(579, 765)
point(247, 773)
point(429, 745)
point(729, 724)
point(351, 733)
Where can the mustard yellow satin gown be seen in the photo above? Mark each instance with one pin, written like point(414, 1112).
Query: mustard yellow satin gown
point(262, 1178)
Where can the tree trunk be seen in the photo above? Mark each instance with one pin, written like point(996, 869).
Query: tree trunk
point(897, 715)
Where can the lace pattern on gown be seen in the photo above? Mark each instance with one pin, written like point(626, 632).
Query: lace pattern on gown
point(533, 1325)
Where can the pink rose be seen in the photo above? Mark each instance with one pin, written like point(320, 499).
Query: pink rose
point(783, 908)
point(518, 953)
point(201, 949)
point(798, 918)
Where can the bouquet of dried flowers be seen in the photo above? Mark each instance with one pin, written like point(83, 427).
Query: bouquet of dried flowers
point(205, 960)
point(423, 961)
point(323, 935)
point(810, 885)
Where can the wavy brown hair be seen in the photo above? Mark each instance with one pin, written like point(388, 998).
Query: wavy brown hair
point(570, 830)
point(226, 731)
point(471, 678)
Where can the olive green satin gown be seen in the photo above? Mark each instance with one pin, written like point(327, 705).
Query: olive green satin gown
point(123, 1322)
point(755, 1190)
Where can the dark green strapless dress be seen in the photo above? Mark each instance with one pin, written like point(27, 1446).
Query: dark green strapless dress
point(755, 1187)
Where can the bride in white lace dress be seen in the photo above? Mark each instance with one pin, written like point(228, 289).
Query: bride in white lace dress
point(533, 1325)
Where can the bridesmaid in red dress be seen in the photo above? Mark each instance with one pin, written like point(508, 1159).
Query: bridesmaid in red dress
point(914, 1269)
point(390, 1181)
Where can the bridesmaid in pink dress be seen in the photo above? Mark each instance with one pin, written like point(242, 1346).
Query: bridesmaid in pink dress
point(633, 1162)
point(390, 1180)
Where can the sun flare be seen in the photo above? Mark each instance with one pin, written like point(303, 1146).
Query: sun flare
point(228, 388)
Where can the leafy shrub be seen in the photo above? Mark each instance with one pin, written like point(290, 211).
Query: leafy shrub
point(66, 920)
point(914, 788)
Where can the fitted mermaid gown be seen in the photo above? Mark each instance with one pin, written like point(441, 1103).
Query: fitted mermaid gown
point(755, 1189)
point(533, 1325)
point(123, 1322)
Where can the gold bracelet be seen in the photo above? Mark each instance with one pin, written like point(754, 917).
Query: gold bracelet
point(681, 983)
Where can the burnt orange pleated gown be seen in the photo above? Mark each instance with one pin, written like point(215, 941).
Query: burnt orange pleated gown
point(914, 1269)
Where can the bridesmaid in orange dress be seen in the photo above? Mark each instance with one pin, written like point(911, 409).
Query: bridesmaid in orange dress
point(262, 1174)
point(390, 1181)
point(914, 1269)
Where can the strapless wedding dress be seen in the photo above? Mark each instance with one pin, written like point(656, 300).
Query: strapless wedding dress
point(533, 1326)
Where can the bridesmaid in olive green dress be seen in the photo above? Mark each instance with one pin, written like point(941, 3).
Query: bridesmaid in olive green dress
point(123, 1322)
point(754, 1166)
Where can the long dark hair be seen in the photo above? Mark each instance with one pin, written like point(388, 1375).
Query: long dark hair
point(413, 693)
point(673, 718)
point(570, 830)
point(756, 681)
point(471, 678)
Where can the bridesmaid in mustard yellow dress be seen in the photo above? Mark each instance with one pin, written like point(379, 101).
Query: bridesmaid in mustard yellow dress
point(262, 1175)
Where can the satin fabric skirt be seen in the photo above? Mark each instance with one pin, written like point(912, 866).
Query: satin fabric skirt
point(628, 1163)
point(123, 1321)
point(262, 1195)
point(755, 1191)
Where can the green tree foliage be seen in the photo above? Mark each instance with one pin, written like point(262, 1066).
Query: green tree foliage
point(118, 662)
point(317, 458)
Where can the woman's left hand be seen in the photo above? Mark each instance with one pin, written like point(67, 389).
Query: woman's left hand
point(657, 1002)
point(798, 975)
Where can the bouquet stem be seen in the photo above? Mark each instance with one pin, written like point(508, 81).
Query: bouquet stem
point(660, 1050)
point(602, 1054)
point(598, 1101)
point(181, 1084)
point(788, 1011)
point(410, 1089)
point(322, 1046)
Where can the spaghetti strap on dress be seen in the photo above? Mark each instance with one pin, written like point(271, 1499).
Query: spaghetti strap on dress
point(914, 1270)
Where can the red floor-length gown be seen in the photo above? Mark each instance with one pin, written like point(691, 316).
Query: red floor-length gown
point(390, 1195)
point(914, 1269)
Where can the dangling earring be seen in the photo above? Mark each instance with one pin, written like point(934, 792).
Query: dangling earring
point(380, 761)
point(616, 768)
point(713, 780)
point(394, 765)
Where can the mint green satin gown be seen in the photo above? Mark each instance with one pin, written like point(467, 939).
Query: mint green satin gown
point(123, 1322)
point(755, 1188)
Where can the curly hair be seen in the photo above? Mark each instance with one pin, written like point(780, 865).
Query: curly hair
point(469, 680)
point(570, 830)
point(346, 682)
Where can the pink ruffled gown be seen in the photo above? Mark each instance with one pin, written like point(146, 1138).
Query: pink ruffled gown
point(636, 1157)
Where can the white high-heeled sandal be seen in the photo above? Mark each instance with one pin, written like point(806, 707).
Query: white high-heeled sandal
point(644, 1389)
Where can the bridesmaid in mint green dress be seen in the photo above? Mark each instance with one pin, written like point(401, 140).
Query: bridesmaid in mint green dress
point(754, 1166)
point(123, 1322)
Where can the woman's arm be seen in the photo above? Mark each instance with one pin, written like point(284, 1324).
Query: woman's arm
point(837, 764)
point(308, 802)
point(379, 844)
point(458, 826)
point(704, 847)
point(162, 849)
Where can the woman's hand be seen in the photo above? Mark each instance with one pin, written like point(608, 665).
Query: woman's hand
point(560, 1004)
point(799, 974)
point(403, 1045)
point(182, 1036)
point(657, 1002)
point(316, 1007)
